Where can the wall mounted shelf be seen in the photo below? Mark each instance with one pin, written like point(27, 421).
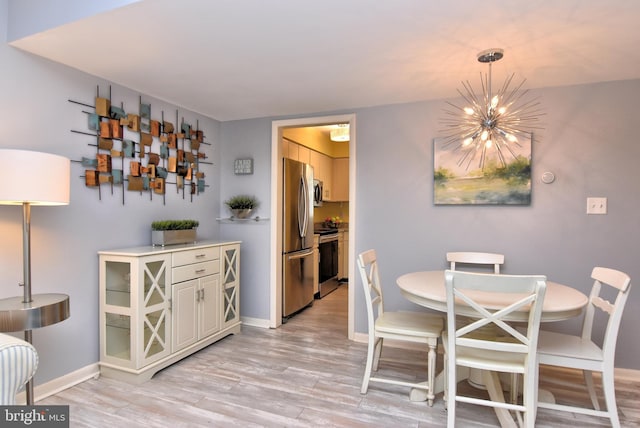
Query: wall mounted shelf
point(255, 219)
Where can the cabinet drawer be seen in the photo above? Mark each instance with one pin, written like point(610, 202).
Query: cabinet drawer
point(181, 258)
point(195, 270)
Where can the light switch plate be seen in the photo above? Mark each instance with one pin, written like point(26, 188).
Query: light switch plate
point(596, 205)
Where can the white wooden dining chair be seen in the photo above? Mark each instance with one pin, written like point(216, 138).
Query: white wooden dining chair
point(580, 352)
point(475, 258)
point(481, 261)
point(419, 327)
point(508, 352)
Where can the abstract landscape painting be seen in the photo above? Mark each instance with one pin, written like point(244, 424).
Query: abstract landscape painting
point(482, 177)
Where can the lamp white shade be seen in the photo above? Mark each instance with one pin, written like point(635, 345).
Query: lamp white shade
point(34, 177)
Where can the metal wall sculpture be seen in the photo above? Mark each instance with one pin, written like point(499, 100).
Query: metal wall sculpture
point(135, 152)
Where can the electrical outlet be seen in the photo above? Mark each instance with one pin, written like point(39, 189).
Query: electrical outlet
point(596, 205)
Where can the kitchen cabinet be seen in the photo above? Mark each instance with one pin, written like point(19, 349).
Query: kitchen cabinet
point(326, 166)
point(343, 254)
point(334, 173)
point(295, 151)
point(340, 254)
point(290, 149)
point(316, 266)
point(340, 179)
point(304, 154)
point(323, 171)
point(160, 304)
point(314, 161)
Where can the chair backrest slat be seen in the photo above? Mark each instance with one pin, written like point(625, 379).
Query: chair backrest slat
point(475, 258)
point(605, 305)
point(520, 348)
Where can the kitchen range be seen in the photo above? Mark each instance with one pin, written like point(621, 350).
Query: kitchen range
point(328, 263)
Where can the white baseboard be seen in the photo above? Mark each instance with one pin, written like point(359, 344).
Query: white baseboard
point(360, 337)
point(255, 322)
point(627, 374)
point(61, 383)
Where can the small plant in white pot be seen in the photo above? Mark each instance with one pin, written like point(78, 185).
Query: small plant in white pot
point(242, 206)
point(172, 232)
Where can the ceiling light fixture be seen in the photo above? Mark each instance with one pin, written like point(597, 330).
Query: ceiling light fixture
point(489, 126)
point(340, 134)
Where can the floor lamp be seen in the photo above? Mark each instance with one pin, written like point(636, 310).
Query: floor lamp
point(30, 178)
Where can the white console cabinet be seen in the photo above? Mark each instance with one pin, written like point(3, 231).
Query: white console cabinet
point(230, 262)
point(160, 304)
point(196, 295)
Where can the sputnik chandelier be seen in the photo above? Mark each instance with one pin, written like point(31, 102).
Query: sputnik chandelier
point(490, 124)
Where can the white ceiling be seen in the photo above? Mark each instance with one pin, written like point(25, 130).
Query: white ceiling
point(238, 59)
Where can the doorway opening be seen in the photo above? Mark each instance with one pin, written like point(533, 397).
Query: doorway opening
point(277, 154)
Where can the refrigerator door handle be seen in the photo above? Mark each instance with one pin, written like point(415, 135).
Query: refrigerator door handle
point(303, 208)
point(301, 256)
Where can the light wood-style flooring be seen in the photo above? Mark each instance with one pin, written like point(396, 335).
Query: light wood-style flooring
point(304, 374)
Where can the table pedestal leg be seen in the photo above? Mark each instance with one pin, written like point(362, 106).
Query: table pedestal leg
point(494, 388)
point(490, 381)
point(546, 396)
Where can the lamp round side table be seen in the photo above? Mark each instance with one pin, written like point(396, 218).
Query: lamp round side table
point(43, 310)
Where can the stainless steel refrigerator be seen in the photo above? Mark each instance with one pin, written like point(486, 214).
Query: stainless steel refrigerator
point(297, 239)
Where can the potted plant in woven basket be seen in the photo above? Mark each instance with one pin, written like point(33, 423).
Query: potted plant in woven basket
point(172, 232)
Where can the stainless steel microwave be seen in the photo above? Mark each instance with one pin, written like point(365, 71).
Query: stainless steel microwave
point(317, 193)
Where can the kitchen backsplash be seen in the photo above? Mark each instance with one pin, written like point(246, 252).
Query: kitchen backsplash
point(331, 209)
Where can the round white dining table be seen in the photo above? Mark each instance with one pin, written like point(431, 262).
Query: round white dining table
point(427, 288)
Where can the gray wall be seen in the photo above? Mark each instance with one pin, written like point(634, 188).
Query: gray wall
point(589, 143)
point(242, 140)
point(36, 115)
